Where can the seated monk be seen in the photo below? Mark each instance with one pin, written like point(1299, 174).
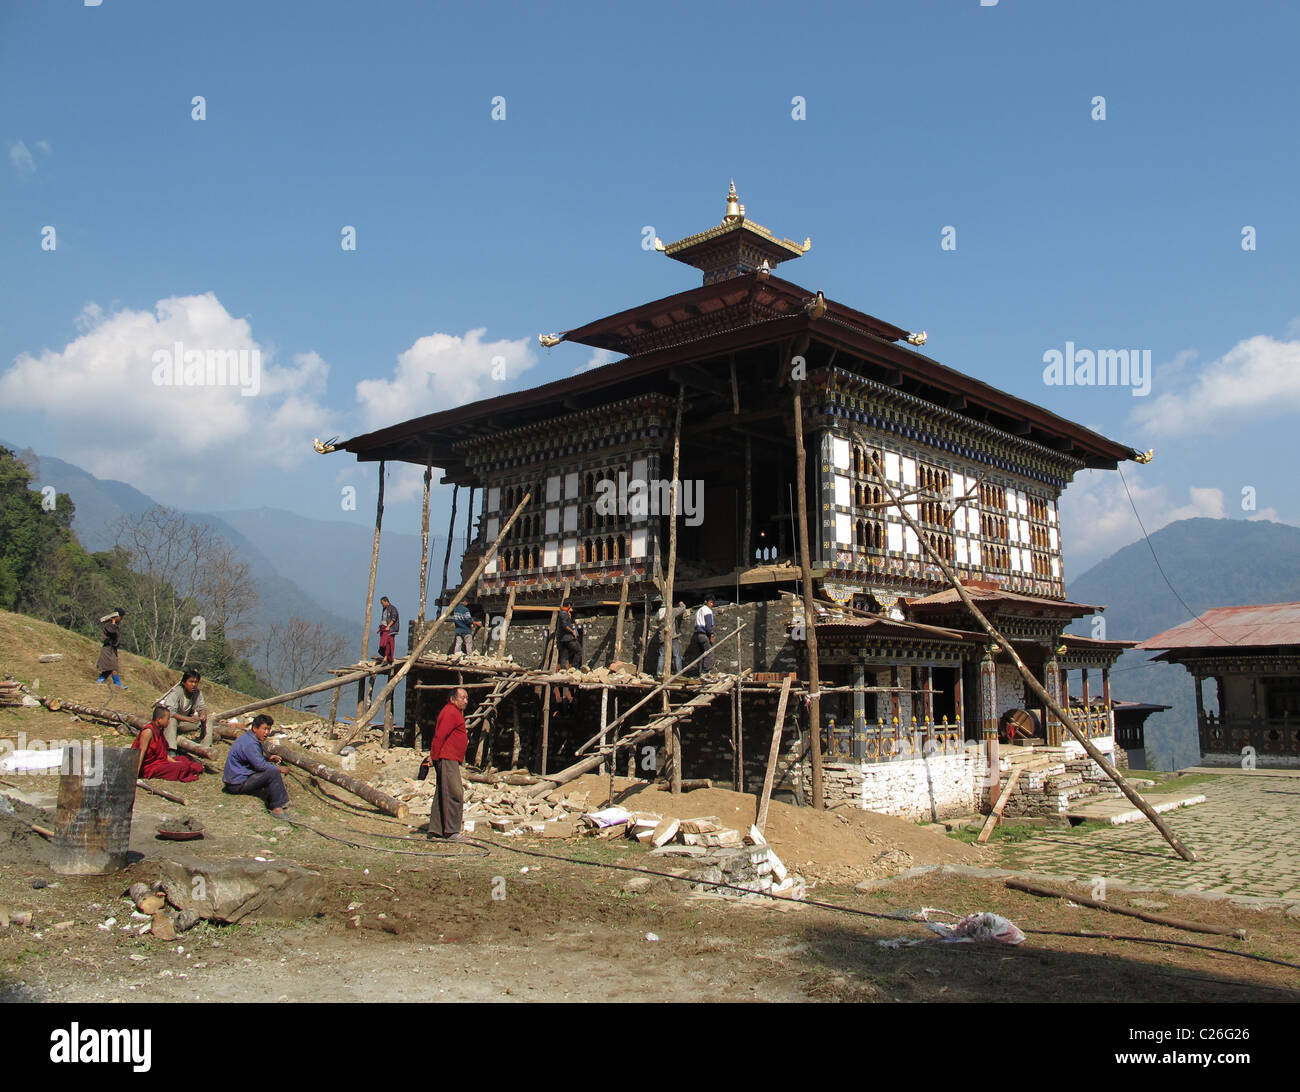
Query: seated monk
point(155, 761)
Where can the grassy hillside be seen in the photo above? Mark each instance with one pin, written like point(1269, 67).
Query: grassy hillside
point(23, 640)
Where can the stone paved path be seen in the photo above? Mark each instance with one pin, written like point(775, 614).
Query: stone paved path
point(1246, 837)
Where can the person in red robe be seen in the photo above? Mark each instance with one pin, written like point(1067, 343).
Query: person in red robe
point(155, 760)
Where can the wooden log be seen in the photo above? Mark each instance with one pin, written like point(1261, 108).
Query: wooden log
point(451, 534)
point(142, 784)
point(1142, 915)
point(374, 566)
point(672, 737)
point(809, 604)
point(505, 625)
point(119, 719)
point(645, 637)
point(618, 623)
point(357, 787)
point(360, 675)
point(425, 641)
point(1089, 747)
point(996, 813)
point(424, 538)
point(769, 778)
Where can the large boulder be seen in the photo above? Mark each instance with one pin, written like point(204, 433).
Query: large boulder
point(231, 890)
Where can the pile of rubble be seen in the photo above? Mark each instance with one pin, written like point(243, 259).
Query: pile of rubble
point(720, 855)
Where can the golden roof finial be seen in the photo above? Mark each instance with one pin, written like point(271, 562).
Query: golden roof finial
point(735, 210)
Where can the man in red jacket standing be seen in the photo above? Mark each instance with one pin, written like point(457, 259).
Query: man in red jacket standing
point(446, 754)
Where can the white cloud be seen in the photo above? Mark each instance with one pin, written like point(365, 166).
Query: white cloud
point(441, 371)
point(43, 146)
point(104, 409)
point(1256, 379)
point(20, 158)
point(599, 359)
point(1097, 519)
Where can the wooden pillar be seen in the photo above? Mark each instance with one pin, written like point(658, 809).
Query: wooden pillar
point(809, 610)
point(859, 711)
point(505, 625)
point(370, 586)
point(1052, 684)
point(546, 726)
point(618, 622)
point(959, 697)
point(989, 723)
point(607, 764)
point(747, 540)
point(388, 717)
point(672, 737)
point(927, 684)
point(515, 741)
point(469, 517)
point(895, 699)
point(424, 536)
point(446, 557)
point(645, 637)
point(740, 735)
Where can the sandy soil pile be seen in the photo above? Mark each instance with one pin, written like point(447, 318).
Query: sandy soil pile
point(841, 846)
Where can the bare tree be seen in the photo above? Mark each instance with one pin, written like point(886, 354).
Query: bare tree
point(192, 580)
point(298, 651)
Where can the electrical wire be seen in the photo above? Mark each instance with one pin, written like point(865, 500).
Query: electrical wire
point(1161, 568)
point(485, 850)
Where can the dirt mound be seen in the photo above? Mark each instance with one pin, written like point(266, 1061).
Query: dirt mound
point(841, 846)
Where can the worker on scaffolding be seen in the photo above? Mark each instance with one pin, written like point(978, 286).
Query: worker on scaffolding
point(465, 624)
point(702, 642)
point(568, 640)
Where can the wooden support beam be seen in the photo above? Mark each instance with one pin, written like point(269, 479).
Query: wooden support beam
point(359, 675)
point(424, 538)
point(374, 565)
point(1141, 915)
point(425, 640)
point(996, 813)
point(774, 750)
point(670, 741)
point(505, 625)
point(618, 624)
point(1089, 747)
point(451, 534)
point(809, 604)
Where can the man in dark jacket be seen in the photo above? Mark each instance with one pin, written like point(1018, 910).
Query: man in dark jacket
point(387, 630)
point(446, 753)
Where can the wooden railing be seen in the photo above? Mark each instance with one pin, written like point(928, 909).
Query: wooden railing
point(1231, 735)
point(1094, 722)
point(880, 741)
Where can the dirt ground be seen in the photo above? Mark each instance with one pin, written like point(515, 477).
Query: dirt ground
point(575, 919)
point(578, 929)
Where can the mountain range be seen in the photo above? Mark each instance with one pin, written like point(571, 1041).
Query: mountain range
point(1188, 567)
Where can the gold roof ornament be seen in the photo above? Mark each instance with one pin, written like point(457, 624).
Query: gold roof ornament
point(1146, 456)
point(735, 247)
point(326, 447)
point(917, 339)
point(549, 340)
point(735, 210)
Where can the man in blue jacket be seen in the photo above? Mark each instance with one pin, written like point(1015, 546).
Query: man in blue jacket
point(465, 627)
point(248, 771)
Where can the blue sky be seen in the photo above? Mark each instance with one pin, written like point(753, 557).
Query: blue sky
point(473, 235)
